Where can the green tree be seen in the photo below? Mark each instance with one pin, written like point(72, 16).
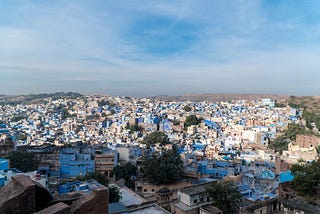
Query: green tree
point(106, 102)
point(187, 108)
point(306, 178)
point(134, 128)
point(279, 105)
point(126, 172)
point(225, 196)
point(310, 118)
point(23, 161)
point(295, 129)
point(18, 118)
point(114, 194)
point(100, 178)
point(281, 142)
point(191, 120)
point(155, 137)
point(165, 168)
point(21, 136)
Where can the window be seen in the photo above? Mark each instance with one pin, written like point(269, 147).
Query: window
point(145, 190)
point(195, 201)
point(152, 190)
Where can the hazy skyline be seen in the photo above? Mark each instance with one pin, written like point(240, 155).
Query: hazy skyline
point(160, 47)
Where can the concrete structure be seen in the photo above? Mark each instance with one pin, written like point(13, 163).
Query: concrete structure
point(22, 195)
point(73, 163)
point(280, 205)
point(105, 161)
point(307, 141)
point(190, 199)
point(4, 164)
point(149, 209)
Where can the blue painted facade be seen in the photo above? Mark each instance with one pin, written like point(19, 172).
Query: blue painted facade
point(73, 164)
point(106, 123)
point(203, 169)
point(79, 186)
point(198, 146)
point(286, 176)
point(3, 126)
point(68, 187)
point(4, 164)
point(4, 131)
point(211, 124)
point(2, 180)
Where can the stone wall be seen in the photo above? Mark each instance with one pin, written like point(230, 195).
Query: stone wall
point(305, 141)
point(22, 195)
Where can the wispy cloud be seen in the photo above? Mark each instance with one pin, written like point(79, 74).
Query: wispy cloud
point(157, 47)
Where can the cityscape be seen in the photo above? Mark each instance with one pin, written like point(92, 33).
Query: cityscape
point(155, 155)
point(159, 107)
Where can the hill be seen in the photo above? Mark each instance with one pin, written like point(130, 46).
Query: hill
point(310, 103)
point(218, 97)
point(35, 98)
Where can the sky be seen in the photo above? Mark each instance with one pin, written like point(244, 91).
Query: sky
point(161, 47)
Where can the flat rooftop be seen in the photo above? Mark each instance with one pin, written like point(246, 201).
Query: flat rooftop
point(153, 208)
point(196, 189)
point(130, 198)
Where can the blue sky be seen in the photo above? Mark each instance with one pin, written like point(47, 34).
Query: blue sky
point(142, 48)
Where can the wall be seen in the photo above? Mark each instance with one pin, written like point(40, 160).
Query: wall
point(304, 141)
point(4, 164)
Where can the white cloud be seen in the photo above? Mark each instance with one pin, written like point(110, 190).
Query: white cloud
point(86, 41)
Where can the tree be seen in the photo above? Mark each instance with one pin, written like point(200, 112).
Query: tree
point(187, 108)
point(310, 118)
point(191, 120)
point(100, 178)
point(155, 137)
point(114, 194)
point(295, 129)
point(281, 142)
point(306, 178)
point(23, 161)
point(134, 128)
point(126, 172)
point(225, 196)
point(279, 105)
point(106, 102)
point(165, 168)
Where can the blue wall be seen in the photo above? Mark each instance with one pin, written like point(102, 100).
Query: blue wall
point(2, 179)
point(69, 167)
point(215, 172)
point(4, 164)
point(286, 176)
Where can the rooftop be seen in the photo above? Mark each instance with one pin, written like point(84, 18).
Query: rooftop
point(130, 198)
point(153, 208)
point(196, 189)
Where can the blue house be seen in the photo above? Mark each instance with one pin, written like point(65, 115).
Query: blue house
point(206, 168)
point(73, 164)
point(2, 180)
point(4, 164)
